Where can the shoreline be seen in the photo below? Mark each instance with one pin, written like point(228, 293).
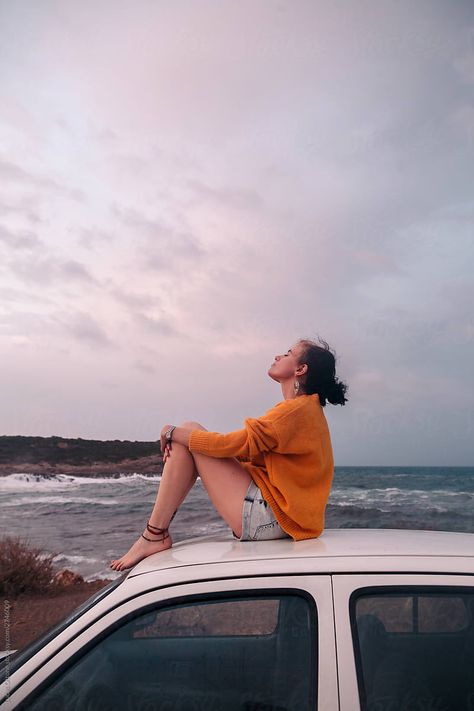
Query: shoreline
point(142, 465)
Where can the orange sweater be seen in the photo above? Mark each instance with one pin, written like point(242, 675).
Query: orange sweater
point(288, 454)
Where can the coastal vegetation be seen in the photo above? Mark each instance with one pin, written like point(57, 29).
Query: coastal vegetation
point(35, 595)
point(24, 569)
point(59, 450)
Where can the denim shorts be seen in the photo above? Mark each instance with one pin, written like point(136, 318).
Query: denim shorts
point(258, 520)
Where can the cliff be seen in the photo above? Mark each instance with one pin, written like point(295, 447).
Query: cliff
point(81, 457)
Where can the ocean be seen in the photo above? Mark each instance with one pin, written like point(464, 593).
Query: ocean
point(86, 522)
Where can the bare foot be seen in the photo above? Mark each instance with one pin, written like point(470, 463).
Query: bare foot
point(141, 549)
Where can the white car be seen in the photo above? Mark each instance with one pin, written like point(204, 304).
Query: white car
point(372, 619)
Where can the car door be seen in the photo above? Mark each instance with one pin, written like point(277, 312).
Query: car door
point(255, 643)
point(405, 641)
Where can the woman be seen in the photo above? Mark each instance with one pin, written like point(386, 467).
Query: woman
point(269, 480)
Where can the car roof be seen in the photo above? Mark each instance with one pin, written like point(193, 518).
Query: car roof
point(338, 549)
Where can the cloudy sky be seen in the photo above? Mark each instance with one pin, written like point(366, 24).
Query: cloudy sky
point(188, 187)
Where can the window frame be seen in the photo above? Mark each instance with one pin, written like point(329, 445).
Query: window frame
point(162, 598)
point(348, 588)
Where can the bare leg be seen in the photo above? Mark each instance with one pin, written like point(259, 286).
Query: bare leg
point(178, 477)
point(225, 480)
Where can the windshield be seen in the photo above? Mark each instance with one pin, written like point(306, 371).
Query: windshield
point(15, 660)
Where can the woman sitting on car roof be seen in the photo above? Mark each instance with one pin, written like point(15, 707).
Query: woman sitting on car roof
point(269, 480)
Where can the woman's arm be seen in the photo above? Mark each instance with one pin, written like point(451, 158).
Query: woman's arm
point(258, 435)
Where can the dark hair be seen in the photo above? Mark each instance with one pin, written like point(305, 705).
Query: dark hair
point(321, 374)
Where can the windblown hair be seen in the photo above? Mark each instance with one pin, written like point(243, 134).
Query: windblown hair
point(321, 375)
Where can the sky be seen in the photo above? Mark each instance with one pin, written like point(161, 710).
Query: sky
point(189, 187)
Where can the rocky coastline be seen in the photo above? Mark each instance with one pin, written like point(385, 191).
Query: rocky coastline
point(151, 466)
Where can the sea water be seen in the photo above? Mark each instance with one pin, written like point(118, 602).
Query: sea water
point(86, 522)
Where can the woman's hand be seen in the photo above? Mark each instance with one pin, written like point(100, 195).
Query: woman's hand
point(167, 452)
point(180, 435)
point(164, 444)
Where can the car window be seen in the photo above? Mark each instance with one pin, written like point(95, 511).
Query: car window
point(242, 617)
point(414, 647)
point(247, 651)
